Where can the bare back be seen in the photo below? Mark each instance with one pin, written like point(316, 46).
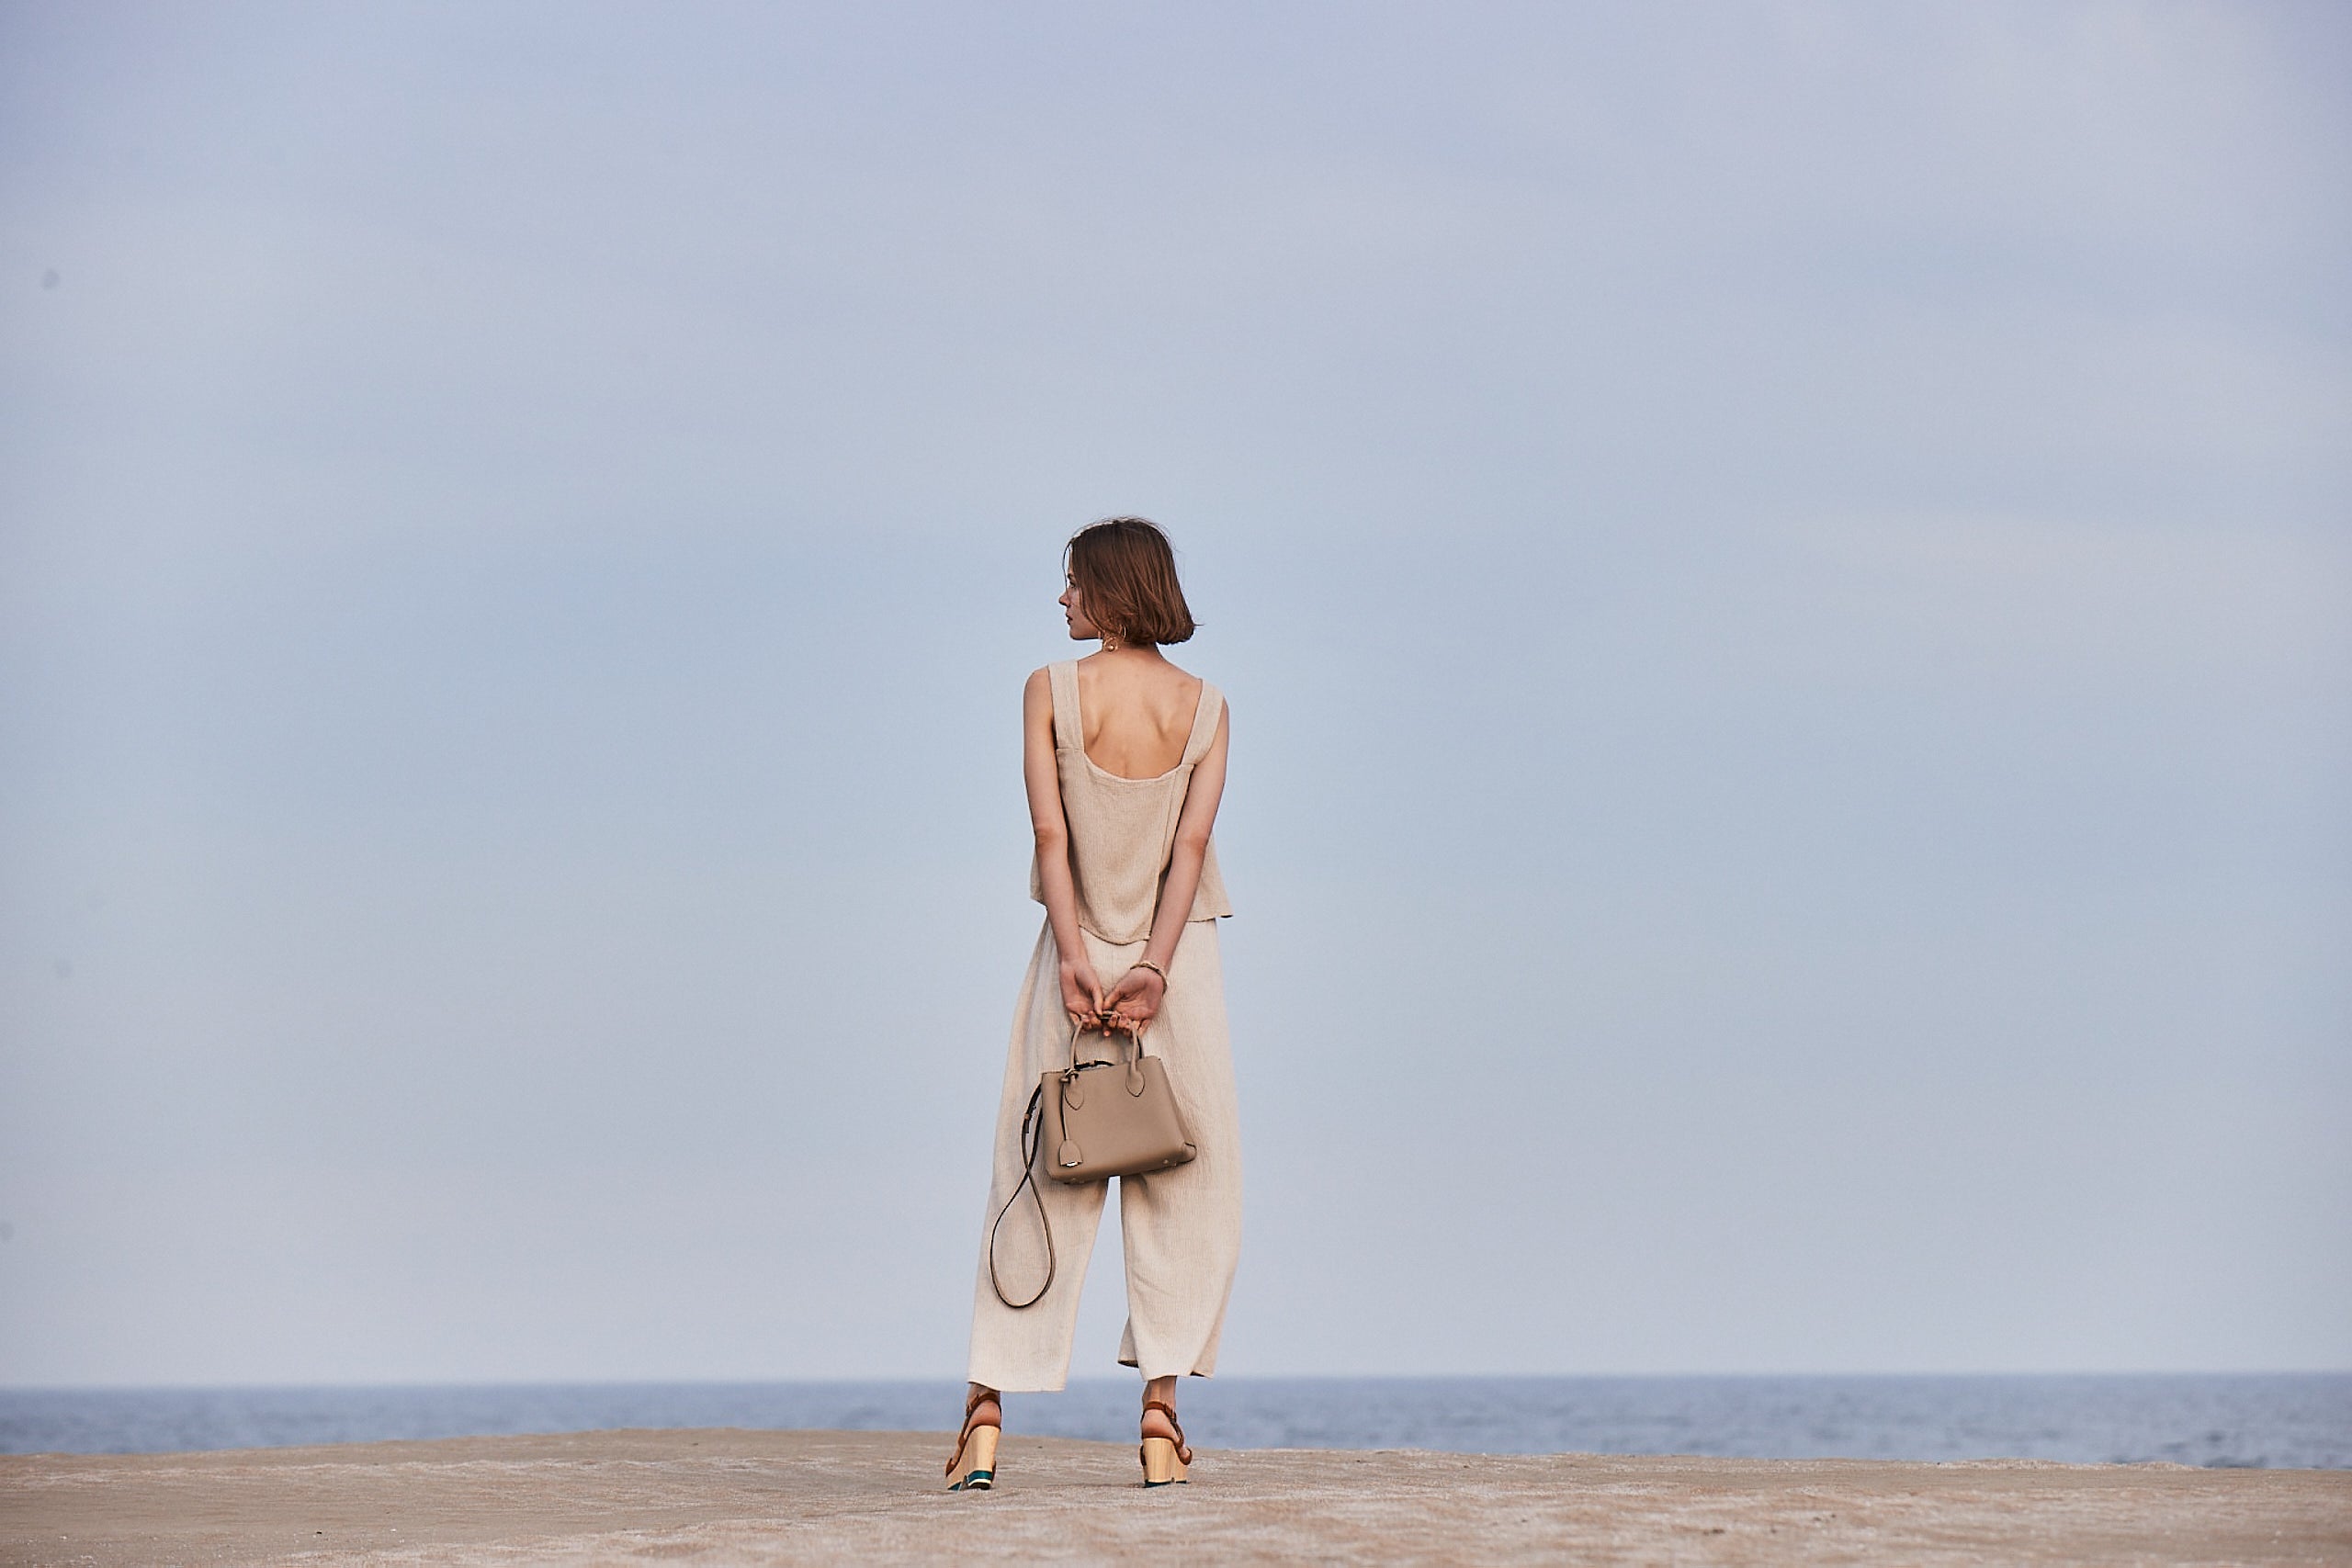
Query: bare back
point(1137, 715)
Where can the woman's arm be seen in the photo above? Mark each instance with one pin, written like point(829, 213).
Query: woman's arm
point(1081, 991)
point(1136, 996)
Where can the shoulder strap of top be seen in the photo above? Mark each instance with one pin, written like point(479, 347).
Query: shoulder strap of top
point(1205, 717)
point(1063, 678)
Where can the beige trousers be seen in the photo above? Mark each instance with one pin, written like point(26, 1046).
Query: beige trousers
point(1181, 1227)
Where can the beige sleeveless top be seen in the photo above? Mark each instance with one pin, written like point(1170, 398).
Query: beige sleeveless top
point(1122, 830)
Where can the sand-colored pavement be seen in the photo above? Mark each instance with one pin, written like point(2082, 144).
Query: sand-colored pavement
point(873, 1497)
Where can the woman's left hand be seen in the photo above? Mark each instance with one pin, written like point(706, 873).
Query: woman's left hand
point(1134, 1001)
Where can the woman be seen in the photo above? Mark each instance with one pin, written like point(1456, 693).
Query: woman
point(1125, 758)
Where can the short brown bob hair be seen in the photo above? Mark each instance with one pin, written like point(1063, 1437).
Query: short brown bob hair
point(1126, 574)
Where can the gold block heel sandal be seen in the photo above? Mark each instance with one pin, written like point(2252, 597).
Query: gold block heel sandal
point(976, 1447)
point(1165, 1459)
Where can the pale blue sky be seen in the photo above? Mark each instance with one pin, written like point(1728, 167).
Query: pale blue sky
point(1783, 571)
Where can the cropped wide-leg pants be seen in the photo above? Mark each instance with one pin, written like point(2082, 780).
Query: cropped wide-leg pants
point(1182, 1227)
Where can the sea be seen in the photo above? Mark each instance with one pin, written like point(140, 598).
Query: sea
point(2262, 1421)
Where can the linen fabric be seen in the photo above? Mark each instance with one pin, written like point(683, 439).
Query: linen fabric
point(1181, 1227)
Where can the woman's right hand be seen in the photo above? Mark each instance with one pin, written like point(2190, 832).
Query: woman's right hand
point(1082, 992)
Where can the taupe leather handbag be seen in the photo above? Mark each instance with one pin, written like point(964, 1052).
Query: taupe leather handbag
point(1094, 1121)
point(1116, 1118)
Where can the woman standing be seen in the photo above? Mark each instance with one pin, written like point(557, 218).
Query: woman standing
point(1124, 755)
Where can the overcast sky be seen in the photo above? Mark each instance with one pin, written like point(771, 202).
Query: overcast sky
point(1782, 573)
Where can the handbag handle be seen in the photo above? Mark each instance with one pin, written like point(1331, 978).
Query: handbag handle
point(1131, 1031)
point(1133, 1064)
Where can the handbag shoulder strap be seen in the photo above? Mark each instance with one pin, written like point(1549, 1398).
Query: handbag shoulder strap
point(1033, 1127)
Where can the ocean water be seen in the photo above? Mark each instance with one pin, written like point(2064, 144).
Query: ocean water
point(2301, 1421)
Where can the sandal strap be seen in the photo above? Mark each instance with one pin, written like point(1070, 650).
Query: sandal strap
point(1183, 1450)
point(971, 1411)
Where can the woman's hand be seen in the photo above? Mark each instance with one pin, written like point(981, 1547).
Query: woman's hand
point(1134, 1001)
point(1082, 992)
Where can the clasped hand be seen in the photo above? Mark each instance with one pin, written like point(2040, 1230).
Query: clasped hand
point(1130, 1003)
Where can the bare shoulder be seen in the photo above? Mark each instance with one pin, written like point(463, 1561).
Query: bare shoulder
point(1200, 685)
point(1174, 677)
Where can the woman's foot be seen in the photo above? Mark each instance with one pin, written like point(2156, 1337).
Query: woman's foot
point(1164, 1452)
point(973, 1468)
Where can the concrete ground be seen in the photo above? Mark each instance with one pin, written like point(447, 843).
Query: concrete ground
point(875, 1497)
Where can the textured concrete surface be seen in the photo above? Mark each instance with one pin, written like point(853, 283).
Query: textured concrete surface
point(791, 1498)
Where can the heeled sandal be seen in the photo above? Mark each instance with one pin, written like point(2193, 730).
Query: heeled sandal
point(975, 1445)
point(1165, 1459)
